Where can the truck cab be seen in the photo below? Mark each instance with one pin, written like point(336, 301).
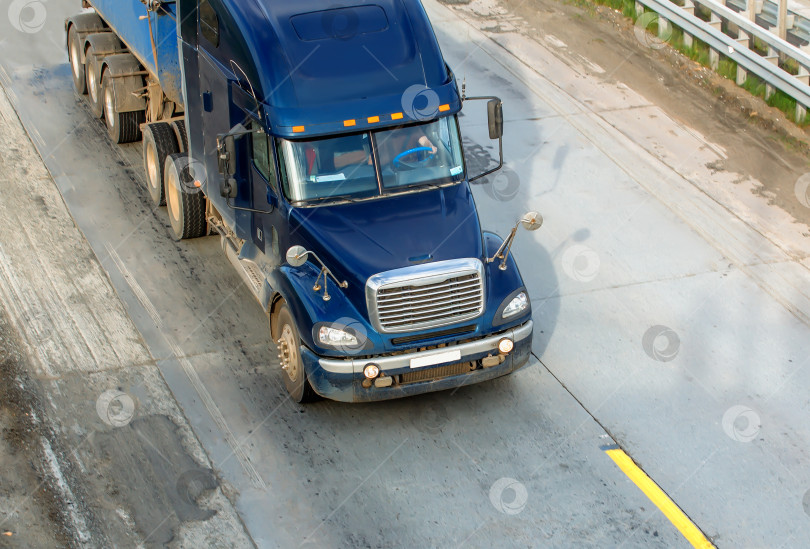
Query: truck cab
point(326, 145)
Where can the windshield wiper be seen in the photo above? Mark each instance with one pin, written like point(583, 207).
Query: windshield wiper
point(318, 200)
point(413, 186)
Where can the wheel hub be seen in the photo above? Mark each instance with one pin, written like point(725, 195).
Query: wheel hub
point(91, 77)
point(109, 105)
point(288, 352)
point(151, 166)
point(74, 59)
point(173, 201)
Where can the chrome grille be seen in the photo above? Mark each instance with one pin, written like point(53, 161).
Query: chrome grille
point(426, 296)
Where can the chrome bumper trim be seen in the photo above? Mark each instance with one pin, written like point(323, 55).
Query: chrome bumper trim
point(387, 363)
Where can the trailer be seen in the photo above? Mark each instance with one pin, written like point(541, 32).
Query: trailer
point(321, 144)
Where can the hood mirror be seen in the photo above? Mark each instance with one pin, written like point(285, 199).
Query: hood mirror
point(297, 256)
point(530, 221)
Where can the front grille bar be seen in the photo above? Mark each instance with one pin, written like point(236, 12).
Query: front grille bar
point(426, 296)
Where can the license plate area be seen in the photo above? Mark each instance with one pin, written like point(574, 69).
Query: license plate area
point(436, 358)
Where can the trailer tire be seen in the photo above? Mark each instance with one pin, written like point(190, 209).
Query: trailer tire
point(123, 127)
point(77, 67)
point(182, 136)
point(158, 143)
point(94, 97)
point(288, 341)
point(184, 202)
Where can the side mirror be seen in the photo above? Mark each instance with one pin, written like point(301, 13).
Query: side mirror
point(226, 164)
point(495, 118)
point(297, 256)
point(226, 154)
point(495, 123)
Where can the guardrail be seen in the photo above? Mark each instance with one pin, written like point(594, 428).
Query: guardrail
point(766, 15)
point(735, 44)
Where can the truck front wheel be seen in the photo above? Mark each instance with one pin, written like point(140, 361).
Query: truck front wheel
point(185, 202)
point(289, 351)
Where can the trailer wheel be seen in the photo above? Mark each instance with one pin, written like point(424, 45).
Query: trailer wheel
point(180, 130)
point(158, 143)
point(76, 64)
point(289, 343)
point(123, 127)
point(94, 84)
point(184, 202)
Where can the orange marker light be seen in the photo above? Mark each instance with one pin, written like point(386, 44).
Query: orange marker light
point(373, 119)
point(349, 123)
point(444, 108)
point(298, 129)
point(198, 184)
point(396, 116)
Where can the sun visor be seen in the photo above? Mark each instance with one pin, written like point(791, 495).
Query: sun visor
point(339, 23)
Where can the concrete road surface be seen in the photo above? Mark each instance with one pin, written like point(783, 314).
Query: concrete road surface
point(672, 313)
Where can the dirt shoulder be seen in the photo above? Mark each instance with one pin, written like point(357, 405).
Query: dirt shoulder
point(758, 141)
point(29, 510)
point(95, 450)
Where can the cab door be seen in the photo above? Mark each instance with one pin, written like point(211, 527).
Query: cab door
point(268, 219)
point(218, 115)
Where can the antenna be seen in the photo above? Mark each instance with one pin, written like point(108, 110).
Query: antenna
point(234, 67)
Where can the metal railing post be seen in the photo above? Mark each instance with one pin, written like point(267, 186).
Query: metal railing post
point(744, 40)
point(781, 20)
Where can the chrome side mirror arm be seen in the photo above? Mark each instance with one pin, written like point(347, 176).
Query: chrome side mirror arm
point(297, 256)
point(531, 221)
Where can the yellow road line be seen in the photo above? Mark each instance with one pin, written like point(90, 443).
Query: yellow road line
point(659, 498)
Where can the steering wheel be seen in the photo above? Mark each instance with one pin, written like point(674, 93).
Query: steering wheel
point(399, 163)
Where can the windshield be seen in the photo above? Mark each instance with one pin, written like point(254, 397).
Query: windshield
point(347, 167)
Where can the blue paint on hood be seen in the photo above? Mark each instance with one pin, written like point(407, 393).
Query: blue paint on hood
point(359, 240)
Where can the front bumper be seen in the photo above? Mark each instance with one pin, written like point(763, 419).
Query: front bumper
point(341, 379)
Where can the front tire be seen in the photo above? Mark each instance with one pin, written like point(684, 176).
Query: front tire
point(289, 346)
point(76, 65)
point(184, 202)
point(123, 127)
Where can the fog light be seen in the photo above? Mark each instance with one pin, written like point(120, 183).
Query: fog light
point(371, 371)
point(506, 345)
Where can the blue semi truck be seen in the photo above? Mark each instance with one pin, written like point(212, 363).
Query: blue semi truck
point(320, 141)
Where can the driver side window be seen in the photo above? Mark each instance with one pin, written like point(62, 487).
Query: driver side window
point(209, 23)
point(263, 156)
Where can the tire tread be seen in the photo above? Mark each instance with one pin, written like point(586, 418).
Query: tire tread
point(181, 129)
point(192, 205)
point(163, 137)
point(124, 127)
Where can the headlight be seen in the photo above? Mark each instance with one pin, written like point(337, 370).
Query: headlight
point(333, 337)
point(519, 304)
